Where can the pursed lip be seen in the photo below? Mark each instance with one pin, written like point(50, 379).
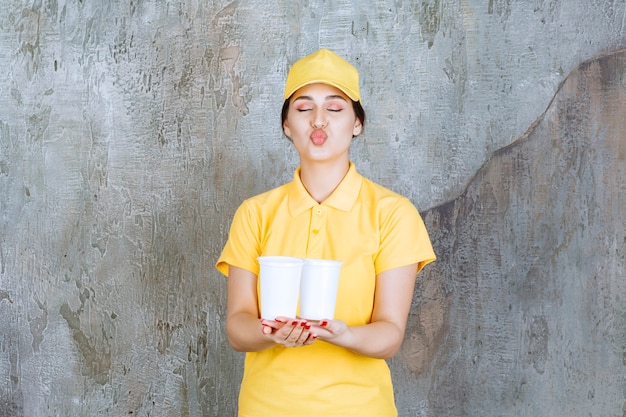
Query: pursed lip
point(318, 137)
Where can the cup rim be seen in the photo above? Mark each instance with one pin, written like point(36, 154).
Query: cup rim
point(279, 260)
point(322, 262)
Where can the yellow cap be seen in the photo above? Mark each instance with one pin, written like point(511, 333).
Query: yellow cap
point(324, 67)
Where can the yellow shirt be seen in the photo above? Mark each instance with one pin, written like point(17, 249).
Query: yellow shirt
point(371, 230)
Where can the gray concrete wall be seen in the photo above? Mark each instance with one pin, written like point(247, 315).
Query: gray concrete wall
point(131, 130)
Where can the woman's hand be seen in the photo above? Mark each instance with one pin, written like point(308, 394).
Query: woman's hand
point(299, 332)
point(336, 332)
point(288, 332)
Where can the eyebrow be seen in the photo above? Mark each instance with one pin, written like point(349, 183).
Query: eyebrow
point(330, 97)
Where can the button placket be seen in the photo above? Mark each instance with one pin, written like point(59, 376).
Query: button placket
point(315, 241)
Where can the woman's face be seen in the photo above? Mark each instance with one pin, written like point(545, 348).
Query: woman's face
point(321, 123)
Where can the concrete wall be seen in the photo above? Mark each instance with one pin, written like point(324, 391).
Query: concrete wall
point(131, 130)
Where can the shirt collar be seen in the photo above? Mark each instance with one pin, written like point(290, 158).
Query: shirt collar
point(343, 198)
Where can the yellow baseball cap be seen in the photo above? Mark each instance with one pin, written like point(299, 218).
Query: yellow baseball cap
point(324, 67)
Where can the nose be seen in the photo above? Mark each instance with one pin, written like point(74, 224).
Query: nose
point(319, 120)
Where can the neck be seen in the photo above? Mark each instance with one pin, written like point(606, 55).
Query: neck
point(320, 180)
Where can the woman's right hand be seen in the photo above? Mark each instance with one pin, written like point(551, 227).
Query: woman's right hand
point(289, 332)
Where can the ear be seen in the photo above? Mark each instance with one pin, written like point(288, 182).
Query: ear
point(286, 129)
point(358, 128)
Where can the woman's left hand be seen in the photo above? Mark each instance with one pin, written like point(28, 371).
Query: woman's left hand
point(333, 331)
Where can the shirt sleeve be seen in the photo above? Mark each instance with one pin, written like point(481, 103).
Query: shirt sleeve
point(242, 247)
point(404, 238)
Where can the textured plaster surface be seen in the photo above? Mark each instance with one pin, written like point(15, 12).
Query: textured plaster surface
point(131, 130)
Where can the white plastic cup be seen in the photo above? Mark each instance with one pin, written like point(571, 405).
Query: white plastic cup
point(280, 285)
point(318, 288)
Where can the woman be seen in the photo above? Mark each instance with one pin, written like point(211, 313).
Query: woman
point(337, 367)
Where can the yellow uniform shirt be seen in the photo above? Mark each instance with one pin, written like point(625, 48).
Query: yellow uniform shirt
point(371, 230)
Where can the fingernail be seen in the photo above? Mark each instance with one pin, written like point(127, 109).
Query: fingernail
point(303, 324)
point(323, 323)
point(293, 323)
point(307, 326)
point(314, 336)
point(278, 320)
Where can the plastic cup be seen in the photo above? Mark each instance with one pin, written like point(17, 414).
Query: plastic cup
point(280, 285)
point(318, 288)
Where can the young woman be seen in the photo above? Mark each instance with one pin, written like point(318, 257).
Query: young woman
point(295, 367)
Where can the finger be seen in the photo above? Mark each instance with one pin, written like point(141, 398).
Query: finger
point(275, 324)
point(307, 337)
point(304, 333)
point(311, 339)
point(326, 329)
point(288, 329)
point(297, 328)
point(322, 325)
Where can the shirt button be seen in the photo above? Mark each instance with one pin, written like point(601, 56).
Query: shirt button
point(318, 211)
point(315, 231)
